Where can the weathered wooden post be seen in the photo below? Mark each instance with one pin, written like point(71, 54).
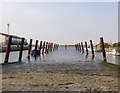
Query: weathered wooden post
point(21, 49)
point(43, 47)
point(103, 49)
point(79, 47)
point(36, 45)
point(49, 47)
point(46, 48)
point(8, 49)
point(29, 49)
point(76, 46)
point(86, 48)
point(82, 47)
point(92, 50)
point(40, 47)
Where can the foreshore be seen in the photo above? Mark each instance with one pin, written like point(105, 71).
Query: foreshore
point(88, 76)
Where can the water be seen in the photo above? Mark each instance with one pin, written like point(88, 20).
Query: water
point(61, 55)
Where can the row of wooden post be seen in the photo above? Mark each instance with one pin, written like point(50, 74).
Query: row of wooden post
point(44, 47)
point(80, 48)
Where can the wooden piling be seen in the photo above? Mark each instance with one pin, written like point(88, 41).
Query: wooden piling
point(79, 47)
point(49, 47)
point(92, 50)
point(29, 49)
point(36, 45)
point(86, 48)
point(82, 47)
point(8, 49)
point(46, 47)
point(103, 49)
point(40, 47)
point(21, 49)
point(43, 47)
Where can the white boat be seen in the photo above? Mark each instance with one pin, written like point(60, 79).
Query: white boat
point(114, 52)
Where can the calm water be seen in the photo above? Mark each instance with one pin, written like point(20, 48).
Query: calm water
point(61, 55)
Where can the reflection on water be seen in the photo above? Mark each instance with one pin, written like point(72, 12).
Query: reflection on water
point(61, 55)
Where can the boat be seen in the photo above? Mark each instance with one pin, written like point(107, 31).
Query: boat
point(114, 51)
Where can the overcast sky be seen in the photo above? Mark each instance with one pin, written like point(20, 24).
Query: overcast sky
point(60, 22)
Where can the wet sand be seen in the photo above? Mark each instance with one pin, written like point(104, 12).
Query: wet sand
point(78, 76)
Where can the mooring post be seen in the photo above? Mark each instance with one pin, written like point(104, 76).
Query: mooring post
point(103, 49)
point(8, 49)
point(46, 47)
point(29, 49)
point(78, 47)
point(92, 50)
point(36, 45)
point(21, 49)
point(86, 48)
point(51, 46)
point(40, 47)
point(43, 47)
point(82, 47)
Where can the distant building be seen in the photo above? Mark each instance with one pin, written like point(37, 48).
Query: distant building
point(15, 40)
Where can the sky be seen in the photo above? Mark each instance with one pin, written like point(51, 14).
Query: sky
point(62, 22)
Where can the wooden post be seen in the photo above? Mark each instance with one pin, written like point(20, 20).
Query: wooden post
point(75, 46)
point(86, 48)
point(49, 47)
point(92, 50)
point(46, 47)
point(82, 47)
point(21, 49)
point(43, 47)
point(29, 49)
point(8, 49)
point(79, 47)
point(36, 44)
point(103, 49)
point(40, 47)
